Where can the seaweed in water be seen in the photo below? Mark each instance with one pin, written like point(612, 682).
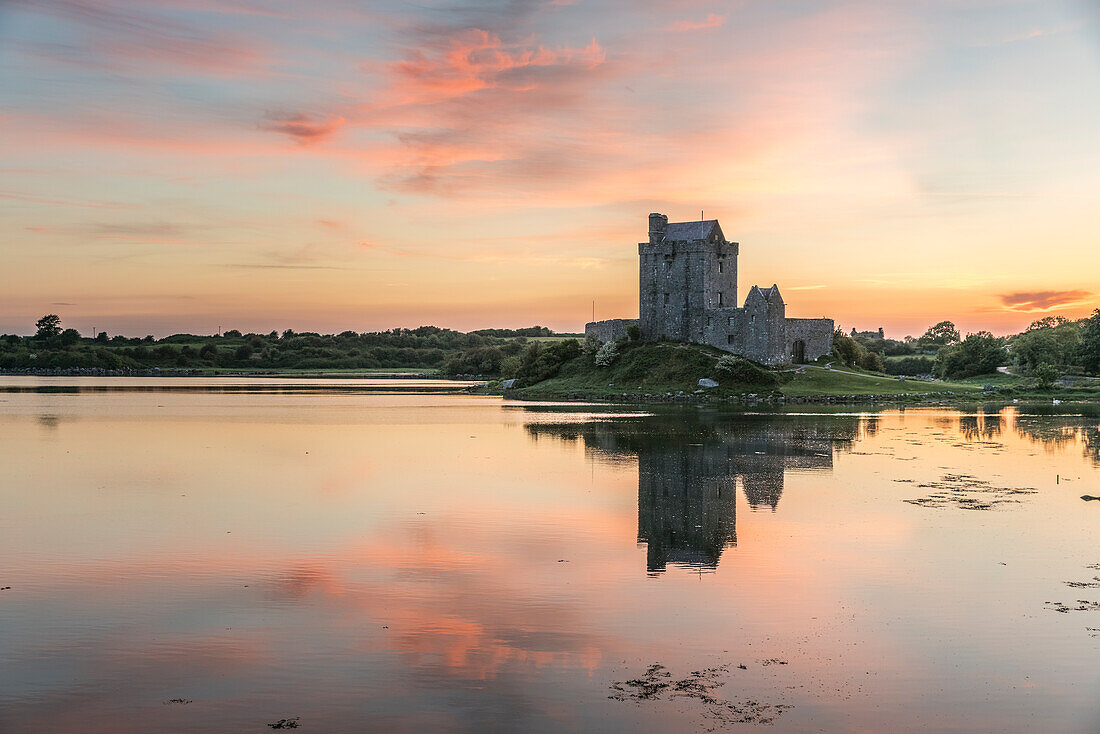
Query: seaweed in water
point(699, 685)
point(285, 723)
point(1083, 605)
point(966, 492)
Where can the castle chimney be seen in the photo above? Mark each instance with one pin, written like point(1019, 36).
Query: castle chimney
point(658, 223)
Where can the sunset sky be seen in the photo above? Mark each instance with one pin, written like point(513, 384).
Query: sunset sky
point(179, 165)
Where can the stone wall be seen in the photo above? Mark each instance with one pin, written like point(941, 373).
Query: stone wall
point(678, 282)
point(816, 334)
point(609, 330)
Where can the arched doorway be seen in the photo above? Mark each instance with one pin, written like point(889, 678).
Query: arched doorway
point(798, 352)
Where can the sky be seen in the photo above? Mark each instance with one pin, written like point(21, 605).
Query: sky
point(188, 165)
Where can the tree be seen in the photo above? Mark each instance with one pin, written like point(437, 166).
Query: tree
point(847, 349)
point(941, 335)
point(49, 326)
point(1045, 374)
point(101, 337)
point(69, 337)
point(1088, 351)
point(978, 354)
point(1052, 340)
point(872, 361)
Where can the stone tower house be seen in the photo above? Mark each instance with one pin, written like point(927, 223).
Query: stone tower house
point(688, 293)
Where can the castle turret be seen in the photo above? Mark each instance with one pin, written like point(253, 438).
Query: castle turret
point(658, 223)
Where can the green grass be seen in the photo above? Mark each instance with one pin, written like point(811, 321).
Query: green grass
point(660, 368)
point(649, 368)
point(851, 381)
point(339, 371)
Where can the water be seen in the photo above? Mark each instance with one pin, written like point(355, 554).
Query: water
point(368, 558)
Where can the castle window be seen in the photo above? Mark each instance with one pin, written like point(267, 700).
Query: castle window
point(666, 299)
point(719, 266)
point(729, 338)
point(719, 299)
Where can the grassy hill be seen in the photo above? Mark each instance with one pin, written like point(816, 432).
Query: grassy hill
point(644, 370)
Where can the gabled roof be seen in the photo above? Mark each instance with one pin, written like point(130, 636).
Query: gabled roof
point(692, 231)
point(770, 295)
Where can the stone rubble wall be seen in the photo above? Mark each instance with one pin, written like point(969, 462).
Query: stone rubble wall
point(817, 334)
point(608, 330)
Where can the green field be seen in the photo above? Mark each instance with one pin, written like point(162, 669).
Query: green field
point(850, 381)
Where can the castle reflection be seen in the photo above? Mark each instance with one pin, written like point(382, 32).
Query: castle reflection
point(689, 468)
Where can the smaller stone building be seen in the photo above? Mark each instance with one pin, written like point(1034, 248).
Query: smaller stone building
point(688, 293)
point(880, 334)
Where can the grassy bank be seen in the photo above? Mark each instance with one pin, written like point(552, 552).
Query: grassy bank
point(647, 371)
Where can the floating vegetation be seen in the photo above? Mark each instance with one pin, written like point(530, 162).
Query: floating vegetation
point(1083, 605)
point(178, 700)
point(1094, 584)
point(285, 723)
point(700, 685)
point(966, 492)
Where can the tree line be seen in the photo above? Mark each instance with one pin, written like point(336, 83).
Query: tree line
point(1049, 347)
point(429, 347)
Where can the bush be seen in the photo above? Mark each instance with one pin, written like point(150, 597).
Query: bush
point(633, 333)
point(540, 362)
point(731, 368)
point(911, 366)
point(847, 349)
point(476, 361)
point(1045, 375)
point(607, 354)
point(872, 362)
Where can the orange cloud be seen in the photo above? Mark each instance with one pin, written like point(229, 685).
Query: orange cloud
point(1043, 300)
point(475, 59)
point(713, 20)
point(302, 127)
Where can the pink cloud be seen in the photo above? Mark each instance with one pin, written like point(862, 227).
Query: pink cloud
point(1043, 300)
point(475, 59)
point(713, 20)
point(302, 127)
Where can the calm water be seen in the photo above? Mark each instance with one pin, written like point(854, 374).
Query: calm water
point(367, 559)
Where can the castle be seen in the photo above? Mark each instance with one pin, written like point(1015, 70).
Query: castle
point(688, 292)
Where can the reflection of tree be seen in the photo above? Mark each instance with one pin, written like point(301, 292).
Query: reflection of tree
point(980, 427)
point(1058, 432)
point(689, 464)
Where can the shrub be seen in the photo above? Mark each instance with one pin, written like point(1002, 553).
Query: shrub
point(1045, 375)
point(847, 349)
point(910, 366)
point(871, 361)
point(607, 354)
point(540, 362)
point(591, 345)
point(633, 333)
point(732, 368)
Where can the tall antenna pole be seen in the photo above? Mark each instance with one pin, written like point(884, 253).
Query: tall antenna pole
point(700, 215)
